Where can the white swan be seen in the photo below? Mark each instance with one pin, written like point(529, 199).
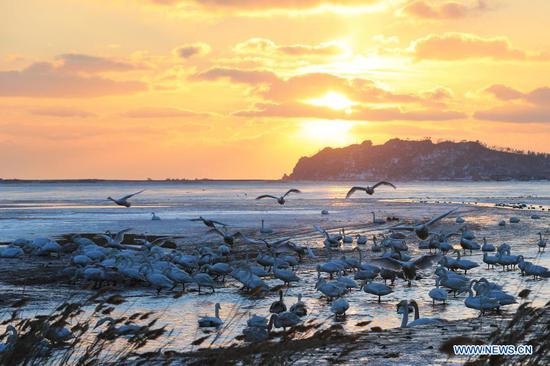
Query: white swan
point(422, 230)
point(299, 308)
point(490, 260)
point(209, 223)
point(278, 306)
point(377, 221)
point(330, 289)
point(123, 201)
point(487, 247)
point(368, 189)
point(409, 268)
point(346, 238)
point(211, 321)
point(361, 239)
point(480, 302)
point(280, 200)
point(154, 217)
point(437, 293)
point(11, 340)
point(378, 289)
point(541, 243)
point(264, 229)
point(339, 307)
point(284, 320)
point(403, 308)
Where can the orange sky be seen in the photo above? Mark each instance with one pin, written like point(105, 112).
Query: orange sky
point(243, 88)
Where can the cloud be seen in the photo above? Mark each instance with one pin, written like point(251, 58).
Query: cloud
point(265, 46)
point(518, 114)
point(427, 9)
point(236, 75)
point(161, 112)
point(264, 5)
point(539, 96)
point(58, 111)
point(75, 62)
point(193, 49)
point(46, 80)
point(361, 113)
point(461, 46)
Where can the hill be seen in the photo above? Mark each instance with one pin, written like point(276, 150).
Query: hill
point(421, 160)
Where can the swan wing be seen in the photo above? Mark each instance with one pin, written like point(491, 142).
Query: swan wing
point(293, 190)
point(266, 196)
point(387, 263)
point(131, 195)
point(120, 235)
point(353, 189)
point(426, 261)
point(383, 183)
point(436, 219)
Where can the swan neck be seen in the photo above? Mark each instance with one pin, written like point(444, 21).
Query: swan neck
point(405, 319)
point(416, 310)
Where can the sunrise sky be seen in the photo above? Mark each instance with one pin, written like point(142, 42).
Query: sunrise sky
point(243, 88)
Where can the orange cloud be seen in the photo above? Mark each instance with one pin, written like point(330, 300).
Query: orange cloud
point(259, 5)
point(75, 62)
point(161, 112)
point(425, 9)
point(361, 113)
point(261, 45)
point(188, 50)
point(538, 96)
point(46, 80)
point(460, 46)
point(517, 114)
point(236, 75)
point(59, 111)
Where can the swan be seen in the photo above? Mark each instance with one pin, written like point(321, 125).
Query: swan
point(483, 287)
point(469, 244)
point(480, 302)
point(346, 282)
point(11, 340)
point(329, 289)
point(404, 307)
point(466, 234)
point(339, 307)
point(361, 239)
point(409, 268)
point(123, 330)
point(378, 289)
point(264, 229)
point(299, 308)
point(257, 321)
point(11, 251)
point(330, 241)
point(376, 248)
point(514, 220)
point(530, 269)
point(464, 264)
point(285, 275)
point(368, 189)
point(255, 334)
point(486, 247)
point(209, 223)
point(248, 279)
point(228, 238)
point(123, 201)
point(284, 320)
point(156, 279)
point(422, 230)
point(456, 283)
point(490, 260)
point(114, 241)
point(219, 269)
point(346, 238)
point(506, 260)
point(365, 275)
point(377, 221)
point(58, 334)
point(388, 274)
point(437, 293)
point(49, 248)
point(279, 305)
point(154, 216)
point(324, 212)
point(211, 321)
point(178, 276)
point(502, 223)
point(204, 280)
point(81, 260)
point(460, 220)
point(541, 243)
point(280, 200)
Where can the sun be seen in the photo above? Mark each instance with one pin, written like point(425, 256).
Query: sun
point(327, 133)
point(333, 100)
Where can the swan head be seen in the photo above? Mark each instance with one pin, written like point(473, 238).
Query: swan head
point(404, 304)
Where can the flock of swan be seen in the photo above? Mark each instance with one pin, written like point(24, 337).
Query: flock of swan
point(108, 258)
